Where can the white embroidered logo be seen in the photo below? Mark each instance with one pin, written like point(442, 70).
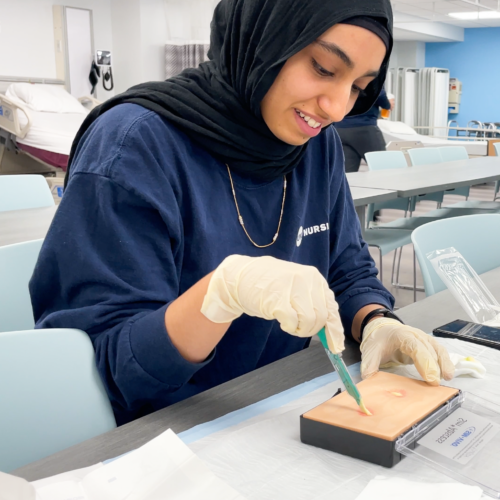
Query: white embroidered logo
point(311, 230)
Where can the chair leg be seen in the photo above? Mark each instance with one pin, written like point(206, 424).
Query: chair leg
point(439, 204)
point(414, 276)
point(380, 271)
point(399, 264)
point(394, 266)
point(395, 279)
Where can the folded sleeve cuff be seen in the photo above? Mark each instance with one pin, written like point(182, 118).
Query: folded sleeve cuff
point(155, 352)
point(350, 307)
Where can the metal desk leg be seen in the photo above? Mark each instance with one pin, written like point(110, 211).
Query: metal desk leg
point(362, 218)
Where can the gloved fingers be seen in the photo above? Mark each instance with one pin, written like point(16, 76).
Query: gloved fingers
point(423, 355)
point(371, 358)
point(309, 302)
point(287, 316)
point(444, 360)
point(333, 327)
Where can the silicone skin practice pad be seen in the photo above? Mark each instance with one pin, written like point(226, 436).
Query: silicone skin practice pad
point(396, 403)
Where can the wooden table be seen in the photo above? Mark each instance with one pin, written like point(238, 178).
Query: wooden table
point(431, 178)
point(238, 393)
point(17, 226)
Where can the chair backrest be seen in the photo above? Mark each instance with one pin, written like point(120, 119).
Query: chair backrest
point(51, 394)
point(24, 191)
point(380, 160)
point(476, 237)
point(452, 153)
point(425, 156)
point(17, 263)
point(497, 148)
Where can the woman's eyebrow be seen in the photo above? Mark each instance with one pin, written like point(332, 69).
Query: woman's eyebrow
point(336, 50)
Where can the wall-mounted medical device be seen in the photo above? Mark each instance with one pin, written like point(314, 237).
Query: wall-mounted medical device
point(455, 95)
point(103, 63)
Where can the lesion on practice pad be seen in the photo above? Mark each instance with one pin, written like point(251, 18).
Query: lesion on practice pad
point(396, 403)
point(399, 393)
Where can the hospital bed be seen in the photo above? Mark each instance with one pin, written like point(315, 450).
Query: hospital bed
point(400, 132)
point(38, 123)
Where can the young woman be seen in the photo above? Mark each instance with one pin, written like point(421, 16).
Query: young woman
point(207, 228)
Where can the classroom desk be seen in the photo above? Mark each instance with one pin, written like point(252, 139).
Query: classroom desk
point(363, 196)
point(432, 178)
point(238, 393)
point(17, 226)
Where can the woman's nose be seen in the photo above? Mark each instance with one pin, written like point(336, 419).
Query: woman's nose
point(336, 103)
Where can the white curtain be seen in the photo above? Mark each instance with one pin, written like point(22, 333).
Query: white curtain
point(188, 29)
point(179, 56)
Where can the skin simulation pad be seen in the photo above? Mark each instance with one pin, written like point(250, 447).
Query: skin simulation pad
point(397, 404)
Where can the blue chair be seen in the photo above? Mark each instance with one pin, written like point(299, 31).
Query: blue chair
point(426, 156)
point(497, 183)
point(381, 160)
point(51, 394)
point(454, 153)
point(476, 237)
point(24, 191)
point(387, 240)
point(17, 263)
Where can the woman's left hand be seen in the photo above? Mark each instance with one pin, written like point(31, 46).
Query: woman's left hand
point(387, 342)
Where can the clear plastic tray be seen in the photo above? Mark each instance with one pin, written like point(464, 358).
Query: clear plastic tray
point(483, 467)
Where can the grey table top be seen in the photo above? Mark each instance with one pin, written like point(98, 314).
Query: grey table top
point(205, 407)
point(363, 196)
point(17, 226)
point(238, 393)
point(412, 181)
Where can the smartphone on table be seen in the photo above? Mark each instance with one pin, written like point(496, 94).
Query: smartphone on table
point(472, 332)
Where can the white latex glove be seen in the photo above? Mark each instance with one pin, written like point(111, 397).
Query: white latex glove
point(387, 342)
point(297, 296)
point(15, 488)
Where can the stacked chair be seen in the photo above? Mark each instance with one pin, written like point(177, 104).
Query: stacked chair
point(419, 156)
point(18, 192)
point(476, 237)
point(51, 394)
point(387, 240)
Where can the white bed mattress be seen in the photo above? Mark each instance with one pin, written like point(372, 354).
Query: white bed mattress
point(398, 131)
point(51, 131)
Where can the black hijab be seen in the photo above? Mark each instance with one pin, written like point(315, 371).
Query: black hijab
point(217, 105)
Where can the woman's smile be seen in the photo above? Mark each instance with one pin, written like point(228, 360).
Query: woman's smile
point(308, 125)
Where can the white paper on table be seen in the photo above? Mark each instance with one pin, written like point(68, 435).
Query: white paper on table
point(163, 468)
point(264, 459)
point(384, 488)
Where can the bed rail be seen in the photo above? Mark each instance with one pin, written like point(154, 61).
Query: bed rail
point(9, 117)
point(89, 102)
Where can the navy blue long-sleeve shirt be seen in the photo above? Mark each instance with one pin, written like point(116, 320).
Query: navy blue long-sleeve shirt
point(147, 214)
point(368, 119)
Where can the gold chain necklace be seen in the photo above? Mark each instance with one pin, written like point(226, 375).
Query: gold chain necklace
point(240, 218)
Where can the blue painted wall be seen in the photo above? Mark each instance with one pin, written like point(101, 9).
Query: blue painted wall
point(476, 63)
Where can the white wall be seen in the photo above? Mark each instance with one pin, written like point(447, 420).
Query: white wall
point(27, 36)
point(126, 26)
point(142, 27)
point(408, 55)
point(189, 19)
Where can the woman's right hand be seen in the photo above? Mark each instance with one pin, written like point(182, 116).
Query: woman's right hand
point(296, 295)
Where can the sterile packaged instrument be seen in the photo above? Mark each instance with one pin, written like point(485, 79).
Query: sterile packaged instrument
point(466, 286)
